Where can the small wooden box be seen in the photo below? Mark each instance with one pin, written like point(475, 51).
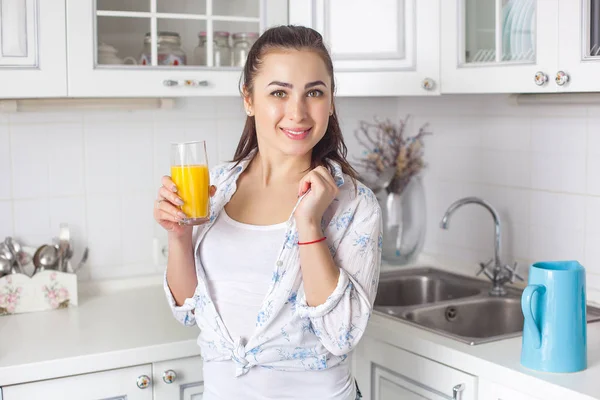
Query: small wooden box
point(46, 290)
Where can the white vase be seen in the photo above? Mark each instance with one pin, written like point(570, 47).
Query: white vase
point(404, 222)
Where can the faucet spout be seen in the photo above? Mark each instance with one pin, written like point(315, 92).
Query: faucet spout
point(444, 223)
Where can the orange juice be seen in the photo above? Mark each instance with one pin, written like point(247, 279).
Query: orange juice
point(192, 183)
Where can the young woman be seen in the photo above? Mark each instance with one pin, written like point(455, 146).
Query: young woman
point(281, 281)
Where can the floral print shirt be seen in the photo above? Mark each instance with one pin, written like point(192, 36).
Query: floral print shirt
point(289, 334)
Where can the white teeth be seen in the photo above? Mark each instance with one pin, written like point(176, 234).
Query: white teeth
point(296, 132)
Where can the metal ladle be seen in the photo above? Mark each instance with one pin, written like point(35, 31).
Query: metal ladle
point(45, 257)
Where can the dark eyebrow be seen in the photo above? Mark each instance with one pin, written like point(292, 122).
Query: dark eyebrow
point(277, 83)
point(315, 83)
point(289, 85)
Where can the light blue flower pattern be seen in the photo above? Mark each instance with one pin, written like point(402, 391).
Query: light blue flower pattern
point(290, 335)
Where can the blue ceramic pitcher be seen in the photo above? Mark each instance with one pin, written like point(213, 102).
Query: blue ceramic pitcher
point(555, 328)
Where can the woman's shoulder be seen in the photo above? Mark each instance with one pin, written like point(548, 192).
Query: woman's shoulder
point(352, 192)
point(221, 171)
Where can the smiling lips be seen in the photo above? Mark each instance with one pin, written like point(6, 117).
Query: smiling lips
point(296, 133)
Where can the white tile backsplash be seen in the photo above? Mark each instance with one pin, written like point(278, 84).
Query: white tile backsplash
point(539, 166)
point(5, 170)
point(65, 165)
point(29, 155)
point(558, 210)
point(6, 218)
point(559, 172)
point(558, 136)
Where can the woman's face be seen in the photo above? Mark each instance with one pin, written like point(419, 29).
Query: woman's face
point(292, 101)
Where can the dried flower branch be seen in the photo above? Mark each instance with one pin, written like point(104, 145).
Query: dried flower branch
point(387, 146)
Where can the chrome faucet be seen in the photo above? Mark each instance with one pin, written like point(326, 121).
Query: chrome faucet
point(500, 273)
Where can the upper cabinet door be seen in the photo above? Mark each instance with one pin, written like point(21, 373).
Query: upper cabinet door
point(159, 48)
point(499, 46)
point(379, 48)
point(579, 46)
point(32, 49)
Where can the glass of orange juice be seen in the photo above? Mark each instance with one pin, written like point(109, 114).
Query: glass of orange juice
point(189, 172)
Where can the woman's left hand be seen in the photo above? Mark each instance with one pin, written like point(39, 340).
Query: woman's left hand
point(322, 192)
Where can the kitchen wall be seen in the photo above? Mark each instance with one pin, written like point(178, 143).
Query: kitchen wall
point(538, 165)
point(99, 171)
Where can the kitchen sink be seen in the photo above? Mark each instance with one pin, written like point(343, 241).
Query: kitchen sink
point(421, 289)
point(478, 318)
point(453, 305)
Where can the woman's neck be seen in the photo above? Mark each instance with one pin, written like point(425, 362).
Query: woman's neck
point(272, 169)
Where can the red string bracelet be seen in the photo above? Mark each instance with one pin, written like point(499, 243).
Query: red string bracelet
point(314, 241)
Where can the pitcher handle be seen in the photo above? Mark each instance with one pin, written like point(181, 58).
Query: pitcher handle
point(530, 323)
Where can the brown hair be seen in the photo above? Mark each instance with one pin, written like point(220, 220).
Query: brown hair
point(331, 147)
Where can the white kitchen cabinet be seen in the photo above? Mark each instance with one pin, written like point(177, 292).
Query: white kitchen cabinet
point(499, 46)
point(579, 45)
point(386, 372)
point(178, 379)
point(32, 49)
point(116, 384)
point(489, 390)
point(379, 48)
point(154, 66)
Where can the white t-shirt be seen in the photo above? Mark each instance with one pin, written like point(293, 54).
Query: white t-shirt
point(238, 259)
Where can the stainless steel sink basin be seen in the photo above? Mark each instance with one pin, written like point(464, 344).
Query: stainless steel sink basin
point(477, 318)
point(453, 305)
point(422, 289)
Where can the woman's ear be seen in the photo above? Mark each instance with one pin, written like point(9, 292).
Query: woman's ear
point(247, 102)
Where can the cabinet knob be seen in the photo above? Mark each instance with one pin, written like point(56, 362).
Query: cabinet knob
point(561, 78)
point(143, 381)
point(184, 82)
point(540, 78)
point(428, 84)
point(169, 376)
point(457, 391)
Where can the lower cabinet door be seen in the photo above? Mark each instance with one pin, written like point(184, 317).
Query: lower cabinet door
point(132, 383)
point(386, 372)
point(179, 379)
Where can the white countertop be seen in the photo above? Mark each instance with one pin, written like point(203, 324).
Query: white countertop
point(116, 329)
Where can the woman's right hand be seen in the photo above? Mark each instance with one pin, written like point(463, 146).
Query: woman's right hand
point(166, 208)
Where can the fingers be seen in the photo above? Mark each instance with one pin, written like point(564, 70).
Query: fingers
point(168, 183)
point(317, 179)
point(212, 190)
point(327, 178)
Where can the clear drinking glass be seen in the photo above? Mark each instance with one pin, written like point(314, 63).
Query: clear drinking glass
point(189, 172)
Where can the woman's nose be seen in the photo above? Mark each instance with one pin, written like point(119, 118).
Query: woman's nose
point(296, 109)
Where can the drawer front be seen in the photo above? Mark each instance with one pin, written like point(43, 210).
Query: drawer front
point(116, 384)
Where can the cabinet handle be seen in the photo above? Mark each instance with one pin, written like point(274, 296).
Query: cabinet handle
point(428, 84)
point(540, 78)
point(184, 82)
point(143, 381)
point(561, 78)
point(457, 391)
point(169, 376)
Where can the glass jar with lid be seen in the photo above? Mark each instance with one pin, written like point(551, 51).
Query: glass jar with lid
point(169, 50)
point(221, 50)
point(242, 42)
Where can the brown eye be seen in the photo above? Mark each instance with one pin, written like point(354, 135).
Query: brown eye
point(315, 93)
point(278, 93)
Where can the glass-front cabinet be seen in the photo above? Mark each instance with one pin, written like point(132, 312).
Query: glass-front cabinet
point(499, 46)
point(379, 48)
point(163, 47)
point(579, 46)
point(32, 49)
